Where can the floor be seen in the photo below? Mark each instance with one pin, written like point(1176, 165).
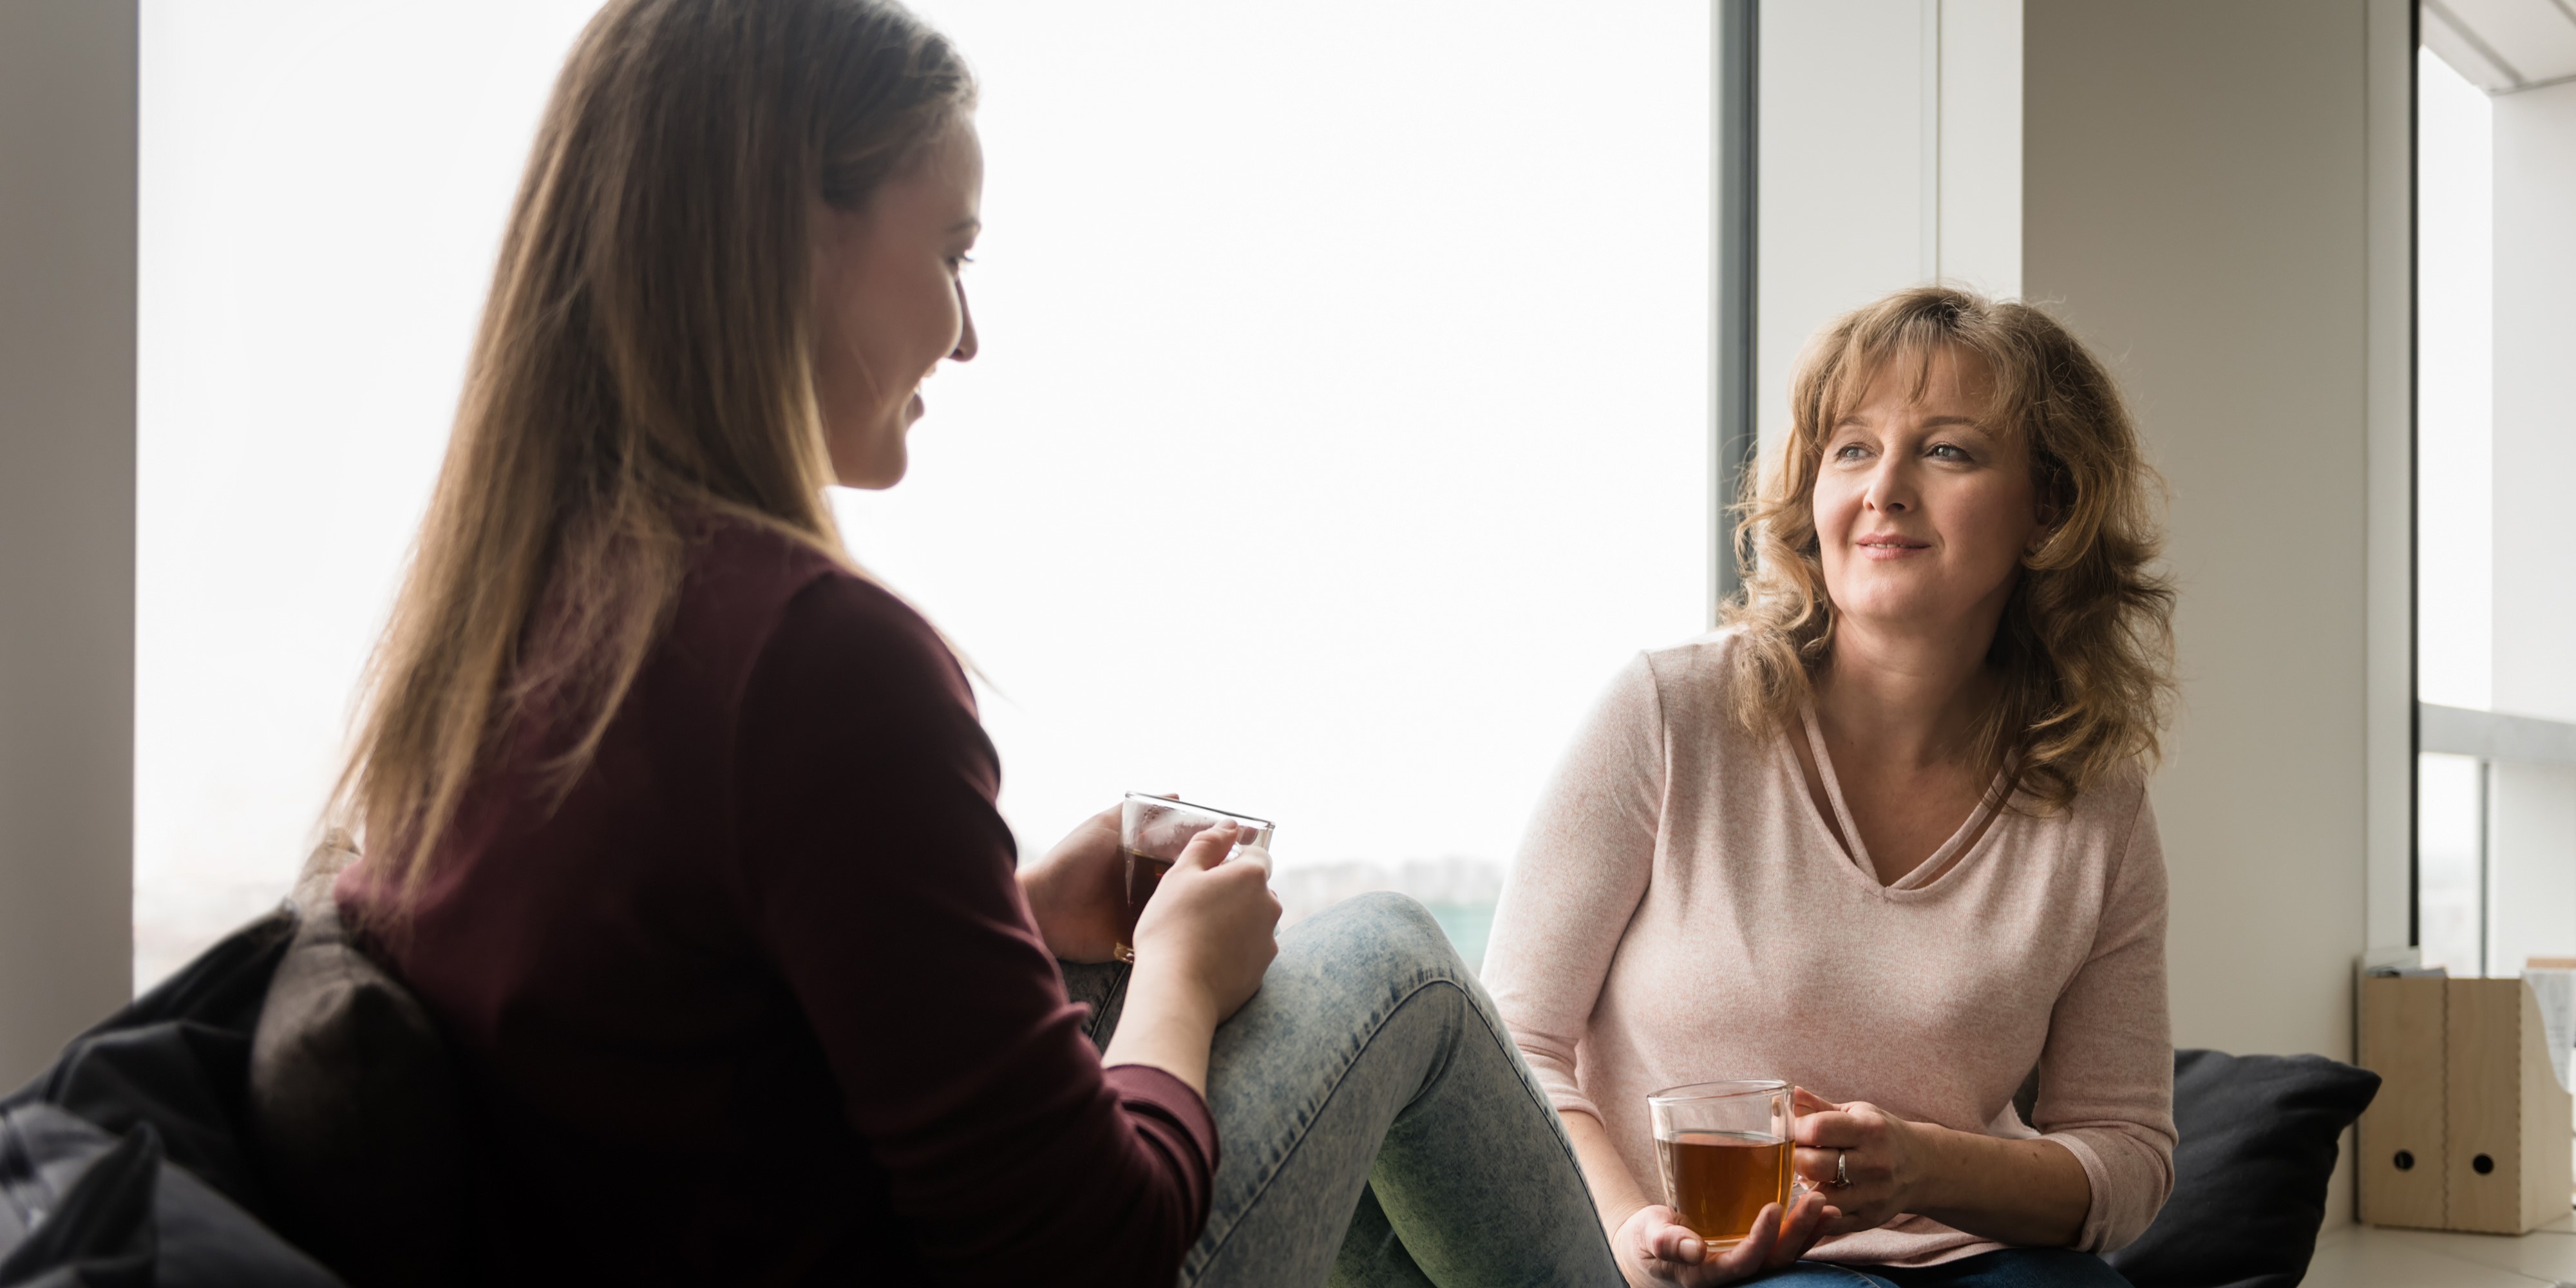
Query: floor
point(2376, 1257)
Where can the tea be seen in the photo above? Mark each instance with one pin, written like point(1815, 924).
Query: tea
point(1144, 876)
point(1151, 827)
point(1720, 1180)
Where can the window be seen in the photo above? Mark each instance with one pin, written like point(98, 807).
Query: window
point(2496, 608)
point(321, 194)
point(1341, 424)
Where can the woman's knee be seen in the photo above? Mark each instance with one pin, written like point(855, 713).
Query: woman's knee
point(1382, 925)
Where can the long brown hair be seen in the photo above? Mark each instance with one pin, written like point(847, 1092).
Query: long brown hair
point(2085, 646)
point(644, 362)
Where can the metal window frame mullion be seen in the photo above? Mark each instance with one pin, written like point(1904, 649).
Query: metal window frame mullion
point(1734, 138)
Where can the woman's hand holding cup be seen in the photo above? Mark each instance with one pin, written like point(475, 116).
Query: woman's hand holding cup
point(1654, 1249)
point(1211, 928)
point(1868, 1161)
point(1077, 892)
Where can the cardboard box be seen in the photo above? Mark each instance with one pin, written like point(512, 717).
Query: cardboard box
point(2471, 1130)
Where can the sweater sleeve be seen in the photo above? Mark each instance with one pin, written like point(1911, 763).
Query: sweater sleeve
point(2106, 1074)
point(1582, 870)
point(878, 876)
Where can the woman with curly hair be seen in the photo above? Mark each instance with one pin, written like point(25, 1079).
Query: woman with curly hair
point(1884, 834)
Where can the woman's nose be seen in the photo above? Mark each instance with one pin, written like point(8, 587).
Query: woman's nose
point(1890, 491)
point(965, 350)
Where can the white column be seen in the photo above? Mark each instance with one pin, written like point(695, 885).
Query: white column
point(2197, 192)
point(2388, 628)
point(1890, 155)
point(67, 273)
point(1841, 192)
point(1980, 207)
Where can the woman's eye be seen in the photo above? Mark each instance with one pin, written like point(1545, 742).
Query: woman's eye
point(1849, 452)
point(1946, 452)
point(958, 263)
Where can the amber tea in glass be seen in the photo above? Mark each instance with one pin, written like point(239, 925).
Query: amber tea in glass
point(1152, 831)
point(1724, 1150)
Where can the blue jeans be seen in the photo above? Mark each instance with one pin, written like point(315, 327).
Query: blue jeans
point(1376, 1124)
point(2009, 1268)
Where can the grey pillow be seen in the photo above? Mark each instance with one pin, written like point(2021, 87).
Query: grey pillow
point(2258, 1141)
point(355, 1108)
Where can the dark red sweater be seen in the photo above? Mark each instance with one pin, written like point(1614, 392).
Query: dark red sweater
point(760, 1000)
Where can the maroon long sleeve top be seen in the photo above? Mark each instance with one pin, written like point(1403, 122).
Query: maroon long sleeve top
point(760, 1000)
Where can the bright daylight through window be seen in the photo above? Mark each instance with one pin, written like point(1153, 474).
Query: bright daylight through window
point(2454, 374)
point(1340, 426)
point(2495, 609)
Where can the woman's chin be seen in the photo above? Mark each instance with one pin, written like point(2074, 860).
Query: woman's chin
point(1903, 608)
point(883, 471)
point(875, 480)
point(876, 462)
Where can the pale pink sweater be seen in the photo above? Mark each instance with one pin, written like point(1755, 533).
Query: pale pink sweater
point(1680, 913)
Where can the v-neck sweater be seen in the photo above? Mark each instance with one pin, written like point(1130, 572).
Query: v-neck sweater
point(1680, 913)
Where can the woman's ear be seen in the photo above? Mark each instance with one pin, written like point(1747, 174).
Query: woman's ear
point(2048, 516)
point(2051, 512)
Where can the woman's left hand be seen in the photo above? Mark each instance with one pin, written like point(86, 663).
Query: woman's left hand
point(1884, 1159)
point(1078, 892)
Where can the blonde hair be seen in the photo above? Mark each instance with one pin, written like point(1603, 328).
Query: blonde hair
point(2085, 646)
point(644, 365)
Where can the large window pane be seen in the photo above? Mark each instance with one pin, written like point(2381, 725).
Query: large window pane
point(1341, 424)
point(1341, 421)
point(322, 187)
point(2454, 389)
point(2450, 848)
point(2496, 148)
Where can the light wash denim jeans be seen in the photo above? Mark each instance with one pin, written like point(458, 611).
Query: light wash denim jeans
point(1375, 1124)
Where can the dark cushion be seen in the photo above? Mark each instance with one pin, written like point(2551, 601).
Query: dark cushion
point(355, 1108)
point(178, 1059)
point(116, 1212)
point(132, 1142)
point(2258, 1142)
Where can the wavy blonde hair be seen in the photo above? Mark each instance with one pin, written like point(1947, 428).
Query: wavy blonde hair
point(2085, 646)
point(644, 364)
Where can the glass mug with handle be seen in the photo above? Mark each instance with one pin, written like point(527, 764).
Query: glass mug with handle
point(1725, 1149)
point(1152, 832)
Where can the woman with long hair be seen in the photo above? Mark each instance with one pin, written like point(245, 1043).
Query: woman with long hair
point(1884, 834)
point(683, 829)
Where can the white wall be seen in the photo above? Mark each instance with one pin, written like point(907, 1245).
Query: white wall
point(2209, 200)
point(1839, 193)
point(2192, 184)
point(1890, 155)
point(2388, 76)
point(66, 519)
point(1980, 133)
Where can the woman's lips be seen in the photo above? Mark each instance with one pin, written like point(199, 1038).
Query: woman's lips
point(1886, 548)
